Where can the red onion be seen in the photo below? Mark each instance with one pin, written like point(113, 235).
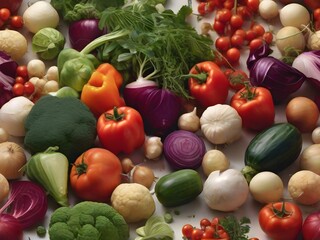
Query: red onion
point(273, 74)
point(10, 228)
point(84, 31)
point(7, 77)
point(311, 226)
point(27, 203)
point(159, 108)
point(183, 150)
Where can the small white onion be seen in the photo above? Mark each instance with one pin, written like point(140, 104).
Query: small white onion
point(4, 136)
point(316, 135)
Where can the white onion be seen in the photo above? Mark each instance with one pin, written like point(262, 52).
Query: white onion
point(225, 190)
point(13, 114)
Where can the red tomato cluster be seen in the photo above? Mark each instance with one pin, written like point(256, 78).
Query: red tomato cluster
point(7, 20)
point(22, 86)
point(208, 230)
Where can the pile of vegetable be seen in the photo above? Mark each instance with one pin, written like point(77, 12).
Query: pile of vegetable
point(115, 124)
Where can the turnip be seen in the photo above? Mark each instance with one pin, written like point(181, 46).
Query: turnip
point(225, 190)
point(310, 158)
point(268, 9)
point(304, 187)
point(266, 187)
point(290, 37)
point(295, 15)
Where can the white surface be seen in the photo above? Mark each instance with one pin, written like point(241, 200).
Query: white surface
point(196, 210)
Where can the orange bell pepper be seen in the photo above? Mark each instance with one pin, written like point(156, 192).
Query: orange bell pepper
point(101, 93)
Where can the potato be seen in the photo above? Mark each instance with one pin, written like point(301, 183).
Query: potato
point(13, 43)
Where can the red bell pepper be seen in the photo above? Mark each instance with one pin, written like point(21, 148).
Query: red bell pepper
point(255, 106)
point(121, 130)
point(208, 84)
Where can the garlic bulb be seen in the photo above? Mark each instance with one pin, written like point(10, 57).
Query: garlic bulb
point(153, 148)
point(313, 40)
point(189, 121)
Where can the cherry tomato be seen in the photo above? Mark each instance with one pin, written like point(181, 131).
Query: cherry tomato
point(202, 8)
point(223, 15)
point(18, 89)
point(187, 230)
point(4, 14)
point(255, 44)
point(20, 79)
point(228, 4)
point(204, 223)
point(219, 27)
point(29, 88)
point(208, 232)
point(16, 21)
point(267, 37)
point(22, 71)
point(196, 234)
point(233, 55)
point(281, 220)
point(250, 35)
point(316, 14)
point(223, 43)
point(236, 40)
point(258, 29)
point(236, 21)
point(253, 5)
point(237, 79)
point(244, 12)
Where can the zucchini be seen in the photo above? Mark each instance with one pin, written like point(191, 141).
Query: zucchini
point(179, 187)
point(273, 149)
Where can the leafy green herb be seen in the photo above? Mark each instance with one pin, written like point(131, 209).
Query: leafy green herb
point(289, 55)
point(237, 229)
point(155, 228)
point(41, 231)
point(164, 40)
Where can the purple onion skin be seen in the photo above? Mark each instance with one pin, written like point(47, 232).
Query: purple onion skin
point(265, 71)
point(160, 108)
point(10, 228)
point(83, 32)
point(183, 150)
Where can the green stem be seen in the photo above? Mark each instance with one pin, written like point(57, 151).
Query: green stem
point(116, 116)
point(282, 212)
point(249, 172)
point(103, 39)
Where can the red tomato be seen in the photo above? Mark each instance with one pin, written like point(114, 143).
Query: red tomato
point(16, 22)
point(223, 15)
point(22, 71)
point(255, 107)
point(237, 40)
point(187, 230)
point(233, 55)
point(258, 29)
point(255, 44)
point(316, 14)
point(236, 21)
point(204, 223)
point(18, 89)
point(4, 14)
point(310, 227)
point(29, 88)
point(267, 37)
point(20, 80)
point(12, 5)
point(253, 5)
point(196, 234)
point(223, 43)
point(95, 174)
point(281, 220)
point(219, 27)
point(237, 78)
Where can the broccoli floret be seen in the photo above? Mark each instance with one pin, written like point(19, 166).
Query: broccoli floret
point(88, 221)
point(64, 122)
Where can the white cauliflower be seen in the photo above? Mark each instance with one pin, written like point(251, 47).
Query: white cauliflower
point(133, 201)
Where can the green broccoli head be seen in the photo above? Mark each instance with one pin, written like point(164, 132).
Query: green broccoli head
point(64, 122)
point(88, 221)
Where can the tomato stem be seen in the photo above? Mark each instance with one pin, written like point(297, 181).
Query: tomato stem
point(249, 92)
point(116, 116)
point(282, 212)
point(81, 168)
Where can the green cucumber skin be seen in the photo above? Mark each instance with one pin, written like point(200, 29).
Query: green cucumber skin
point(178, 188)
point(274, 149)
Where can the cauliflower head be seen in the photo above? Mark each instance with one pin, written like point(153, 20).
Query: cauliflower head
point(133, 201)
point(88, 221)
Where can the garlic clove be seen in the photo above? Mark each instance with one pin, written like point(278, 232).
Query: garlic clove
point(189, 121)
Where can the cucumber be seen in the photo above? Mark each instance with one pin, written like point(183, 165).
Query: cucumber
point(179, 187)
point(273, 149)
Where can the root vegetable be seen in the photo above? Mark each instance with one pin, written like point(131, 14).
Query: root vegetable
point(304, 187)
point(310, 158)
point(316, 135)
point(52, 73)
point(295, 15)
point(142, 175)
point(4, 188)
point(153, 148)
point(214, 160)
point(225, 190)
point(266, 187)
point(4, 136)
point(36, 68)
point(50, 86)
point(39, 15)
point(268, 9)
point(12, 159)
point(127, 165)
point(290, 37)
point(189, 121)
point(13, 114)
point(13, 43)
